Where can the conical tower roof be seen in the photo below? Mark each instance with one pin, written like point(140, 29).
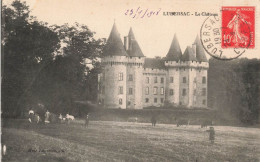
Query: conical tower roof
point(188, 55)
point(134, 48)
point(114, 45)
point(200, 54)
point(174, 53)
point(131, 33)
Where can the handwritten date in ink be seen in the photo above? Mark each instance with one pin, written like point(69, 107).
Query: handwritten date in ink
point(141, 13)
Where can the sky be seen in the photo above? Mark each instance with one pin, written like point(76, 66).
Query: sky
point(154, 34)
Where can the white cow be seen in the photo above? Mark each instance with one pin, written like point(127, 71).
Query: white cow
point(69, 118)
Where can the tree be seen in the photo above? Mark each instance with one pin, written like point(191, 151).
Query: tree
point(234, 88)
point(67, 79)
point(27, 47)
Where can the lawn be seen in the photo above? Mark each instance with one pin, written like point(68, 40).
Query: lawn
point(125, 141)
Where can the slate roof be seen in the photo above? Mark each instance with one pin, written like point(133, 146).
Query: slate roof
point(134, 48)
point(200, 54)
point(174, 53)
point(114, 45)
point(154, 63)
point(188, 55)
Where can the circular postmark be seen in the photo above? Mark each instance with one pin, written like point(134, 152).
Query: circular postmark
point(217, 46)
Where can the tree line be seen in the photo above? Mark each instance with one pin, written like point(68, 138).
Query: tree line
point(233, 88)
point(47, 64)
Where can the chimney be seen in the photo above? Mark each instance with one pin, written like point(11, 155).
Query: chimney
point(126, 43)
point(194, 48)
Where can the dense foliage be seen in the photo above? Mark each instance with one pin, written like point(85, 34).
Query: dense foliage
point(45, 64)
point(234, 88)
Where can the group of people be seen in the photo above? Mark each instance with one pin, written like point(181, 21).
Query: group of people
point(49, 118)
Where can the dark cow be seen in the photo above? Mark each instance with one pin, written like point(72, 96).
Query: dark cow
point(183, 122)
point(206, 123)
point(53, 118)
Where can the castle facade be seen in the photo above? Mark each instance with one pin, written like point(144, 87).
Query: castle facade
point(129, 80)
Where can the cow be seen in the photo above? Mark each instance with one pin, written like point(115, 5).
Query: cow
point(206, 123)
point(132, 119)
point(69, 118)
point(183, 122)
point(53, 118)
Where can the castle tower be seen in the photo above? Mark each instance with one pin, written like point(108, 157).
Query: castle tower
point(172, 61)
point(114, 75)
point(188, 66)
point(202, 75)
point(134, 72)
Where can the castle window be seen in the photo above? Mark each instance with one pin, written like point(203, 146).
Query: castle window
point(147, 90)
point(120, 101)
point(162, 80)
point(184, 80)
point(204, 80)
point(147, 79)
point(171, 79)
point(146, 100)
point(194, 92)
point(120, 90)
point(130, 77)
point(162, 100)
point(204, 92)
point(155, 90)
point(130, 91)
point(155, 100)
point(155, 80)
point(171, 92)
point(162, 90)
point(120, 77)
point(183, 92)
point(204, 102)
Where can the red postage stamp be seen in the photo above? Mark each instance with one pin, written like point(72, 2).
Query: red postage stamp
point(238, 27)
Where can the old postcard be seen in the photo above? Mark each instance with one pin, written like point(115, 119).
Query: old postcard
point(139, 80)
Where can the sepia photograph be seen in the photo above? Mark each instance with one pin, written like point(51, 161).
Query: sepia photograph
point(139, 80)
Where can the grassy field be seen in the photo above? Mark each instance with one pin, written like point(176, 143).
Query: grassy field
point(122, 141)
